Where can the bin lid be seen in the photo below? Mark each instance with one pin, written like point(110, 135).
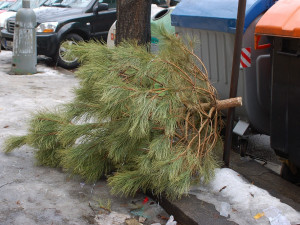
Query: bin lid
point(217, 15)
point(282, 19)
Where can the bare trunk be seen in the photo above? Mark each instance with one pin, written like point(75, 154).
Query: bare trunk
point(229, 103)
point(133, 21)
point(225, 104)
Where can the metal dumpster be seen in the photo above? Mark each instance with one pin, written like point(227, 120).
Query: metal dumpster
point(282, 26)
point(211, 24)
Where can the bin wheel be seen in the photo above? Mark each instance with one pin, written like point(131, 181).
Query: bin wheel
point(289, 175)
point(64, 56)
point(243, 144)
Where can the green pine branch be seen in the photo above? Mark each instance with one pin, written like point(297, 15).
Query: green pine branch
point(137, 117)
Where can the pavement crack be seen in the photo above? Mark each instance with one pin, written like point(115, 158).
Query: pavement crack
point(90, 205)
point(6, 184)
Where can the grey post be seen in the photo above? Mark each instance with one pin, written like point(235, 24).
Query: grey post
point(24, 57)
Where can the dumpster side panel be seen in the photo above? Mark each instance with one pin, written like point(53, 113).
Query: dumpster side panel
point(294, 112)
point(257, 83)
point(285, 114)
point(215, 49)
point(279, 109)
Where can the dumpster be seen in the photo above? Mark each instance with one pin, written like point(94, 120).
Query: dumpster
point(281, 24)
point(211, 24)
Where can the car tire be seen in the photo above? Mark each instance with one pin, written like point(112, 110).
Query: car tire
point(63, 56)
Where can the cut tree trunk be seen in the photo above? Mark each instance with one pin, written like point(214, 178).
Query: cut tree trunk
point(133, 21)
point(229, 103)
point(225, 104)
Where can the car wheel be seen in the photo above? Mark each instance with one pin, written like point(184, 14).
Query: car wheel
point(64, 57)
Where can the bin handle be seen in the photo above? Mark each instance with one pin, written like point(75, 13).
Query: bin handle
point(288, 54)
point(256, 43)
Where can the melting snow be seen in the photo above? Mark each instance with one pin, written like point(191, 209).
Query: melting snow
point(244, 200)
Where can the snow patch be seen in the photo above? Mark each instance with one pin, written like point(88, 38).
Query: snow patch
point(245, 199)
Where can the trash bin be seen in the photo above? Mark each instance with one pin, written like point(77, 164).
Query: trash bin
point(281, 25)
point(162, 18)
point(212, 24)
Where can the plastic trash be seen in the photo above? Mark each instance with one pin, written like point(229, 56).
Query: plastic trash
point(258, 216)
point(140, 212)
point(92, 189)
point(171, 221)
point(275, 217)
point(142, 219)
point(145, 200)
point(225, 209)
point(147, 209)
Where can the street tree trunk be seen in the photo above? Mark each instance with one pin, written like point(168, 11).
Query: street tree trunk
point(133, 21)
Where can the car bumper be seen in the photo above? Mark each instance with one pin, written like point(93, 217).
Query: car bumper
point(47, 44)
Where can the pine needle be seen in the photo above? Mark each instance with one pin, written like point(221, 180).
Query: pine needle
point(14, 142)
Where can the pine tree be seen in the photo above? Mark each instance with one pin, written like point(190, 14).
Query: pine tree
point(148, 121)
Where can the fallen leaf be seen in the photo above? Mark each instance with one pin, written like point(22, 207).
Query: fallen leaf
point(252, 195)
point(6, 126)
point(162, 217)
point(18, 202)
point(216, 216)
point(234, 210)
point(222, 188)
point(132, 222)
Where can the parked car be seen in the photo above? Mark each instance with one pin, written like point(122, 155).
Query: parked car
point(12, 10)
point(67, 22)
point(4, 5)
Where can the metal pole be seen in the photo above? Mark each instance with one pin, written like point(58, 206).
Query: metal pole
point(24, 57)
point(234, 78)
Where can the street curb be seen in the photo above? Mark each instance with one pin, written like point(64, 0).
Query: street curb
point(191, 211)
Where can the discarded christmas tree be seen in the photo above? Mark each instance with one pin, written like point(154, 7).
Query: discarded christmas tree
point(149, 121)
